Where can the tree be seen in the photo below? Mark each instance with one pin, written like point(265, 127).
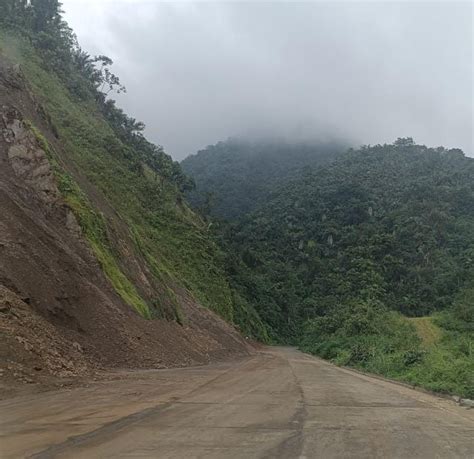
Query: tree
point(106, 80)
point(46, 14)
point(182, 181)
point(404, 142)
point(14, 12)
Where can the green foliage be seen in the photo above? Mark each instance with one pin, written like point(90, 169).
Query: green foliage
point(373, 339)
point(392, 223)
point(360, 333)
point(448, 365)
point(248, 320)
point(463, 308)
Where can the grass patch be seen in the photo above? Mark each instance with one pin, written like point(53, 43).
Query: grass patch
point(429, 333)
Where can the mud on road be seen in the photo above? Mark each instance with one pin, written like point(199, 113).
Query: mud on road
point(278, 403)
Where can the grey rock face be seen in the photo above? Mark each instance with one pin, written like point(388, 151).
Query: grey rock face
point(27, 159)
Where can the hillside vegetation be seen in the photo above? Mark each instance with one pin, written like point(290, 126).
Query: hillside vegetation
point(234, 177)
point(337, 257)
point(125, 192)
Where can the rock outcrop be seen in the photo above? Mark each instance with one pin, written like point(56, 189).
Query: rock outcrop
point(27, 159)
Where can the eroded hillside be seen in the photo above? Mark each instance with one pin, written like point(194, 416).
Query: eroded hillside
point(100, 264)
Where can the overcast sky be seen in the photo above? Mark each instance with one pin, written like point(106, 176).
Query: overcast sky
point(367, 72)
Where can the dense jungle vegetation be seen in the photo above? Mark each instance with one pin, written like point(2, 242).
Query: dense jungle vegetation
point(360, 259)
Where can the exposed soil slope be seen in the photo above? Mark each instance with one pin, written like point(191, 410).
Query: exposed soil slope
point(59, 314)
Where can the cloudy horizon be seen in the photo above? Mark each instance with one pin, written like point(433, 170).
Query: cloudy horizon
point(364, 72)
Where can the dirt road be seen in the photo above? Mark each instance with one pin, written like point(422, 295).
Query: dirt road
point(279, 403)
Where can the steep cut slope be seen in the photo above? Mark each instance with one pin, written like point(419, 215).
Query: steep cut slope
point(99, 267)
point(236, 176)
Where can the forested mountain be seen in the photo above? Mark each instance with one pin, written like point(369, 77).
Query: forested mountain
point(393, 222)
point(334, 251)
point(234, 177)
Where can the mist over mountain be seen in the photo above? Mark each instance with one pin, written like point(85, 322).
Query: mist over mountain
point(236, 176)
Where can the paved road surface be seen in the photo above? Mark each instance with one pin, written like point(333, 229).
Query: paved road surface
point(279, 403)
